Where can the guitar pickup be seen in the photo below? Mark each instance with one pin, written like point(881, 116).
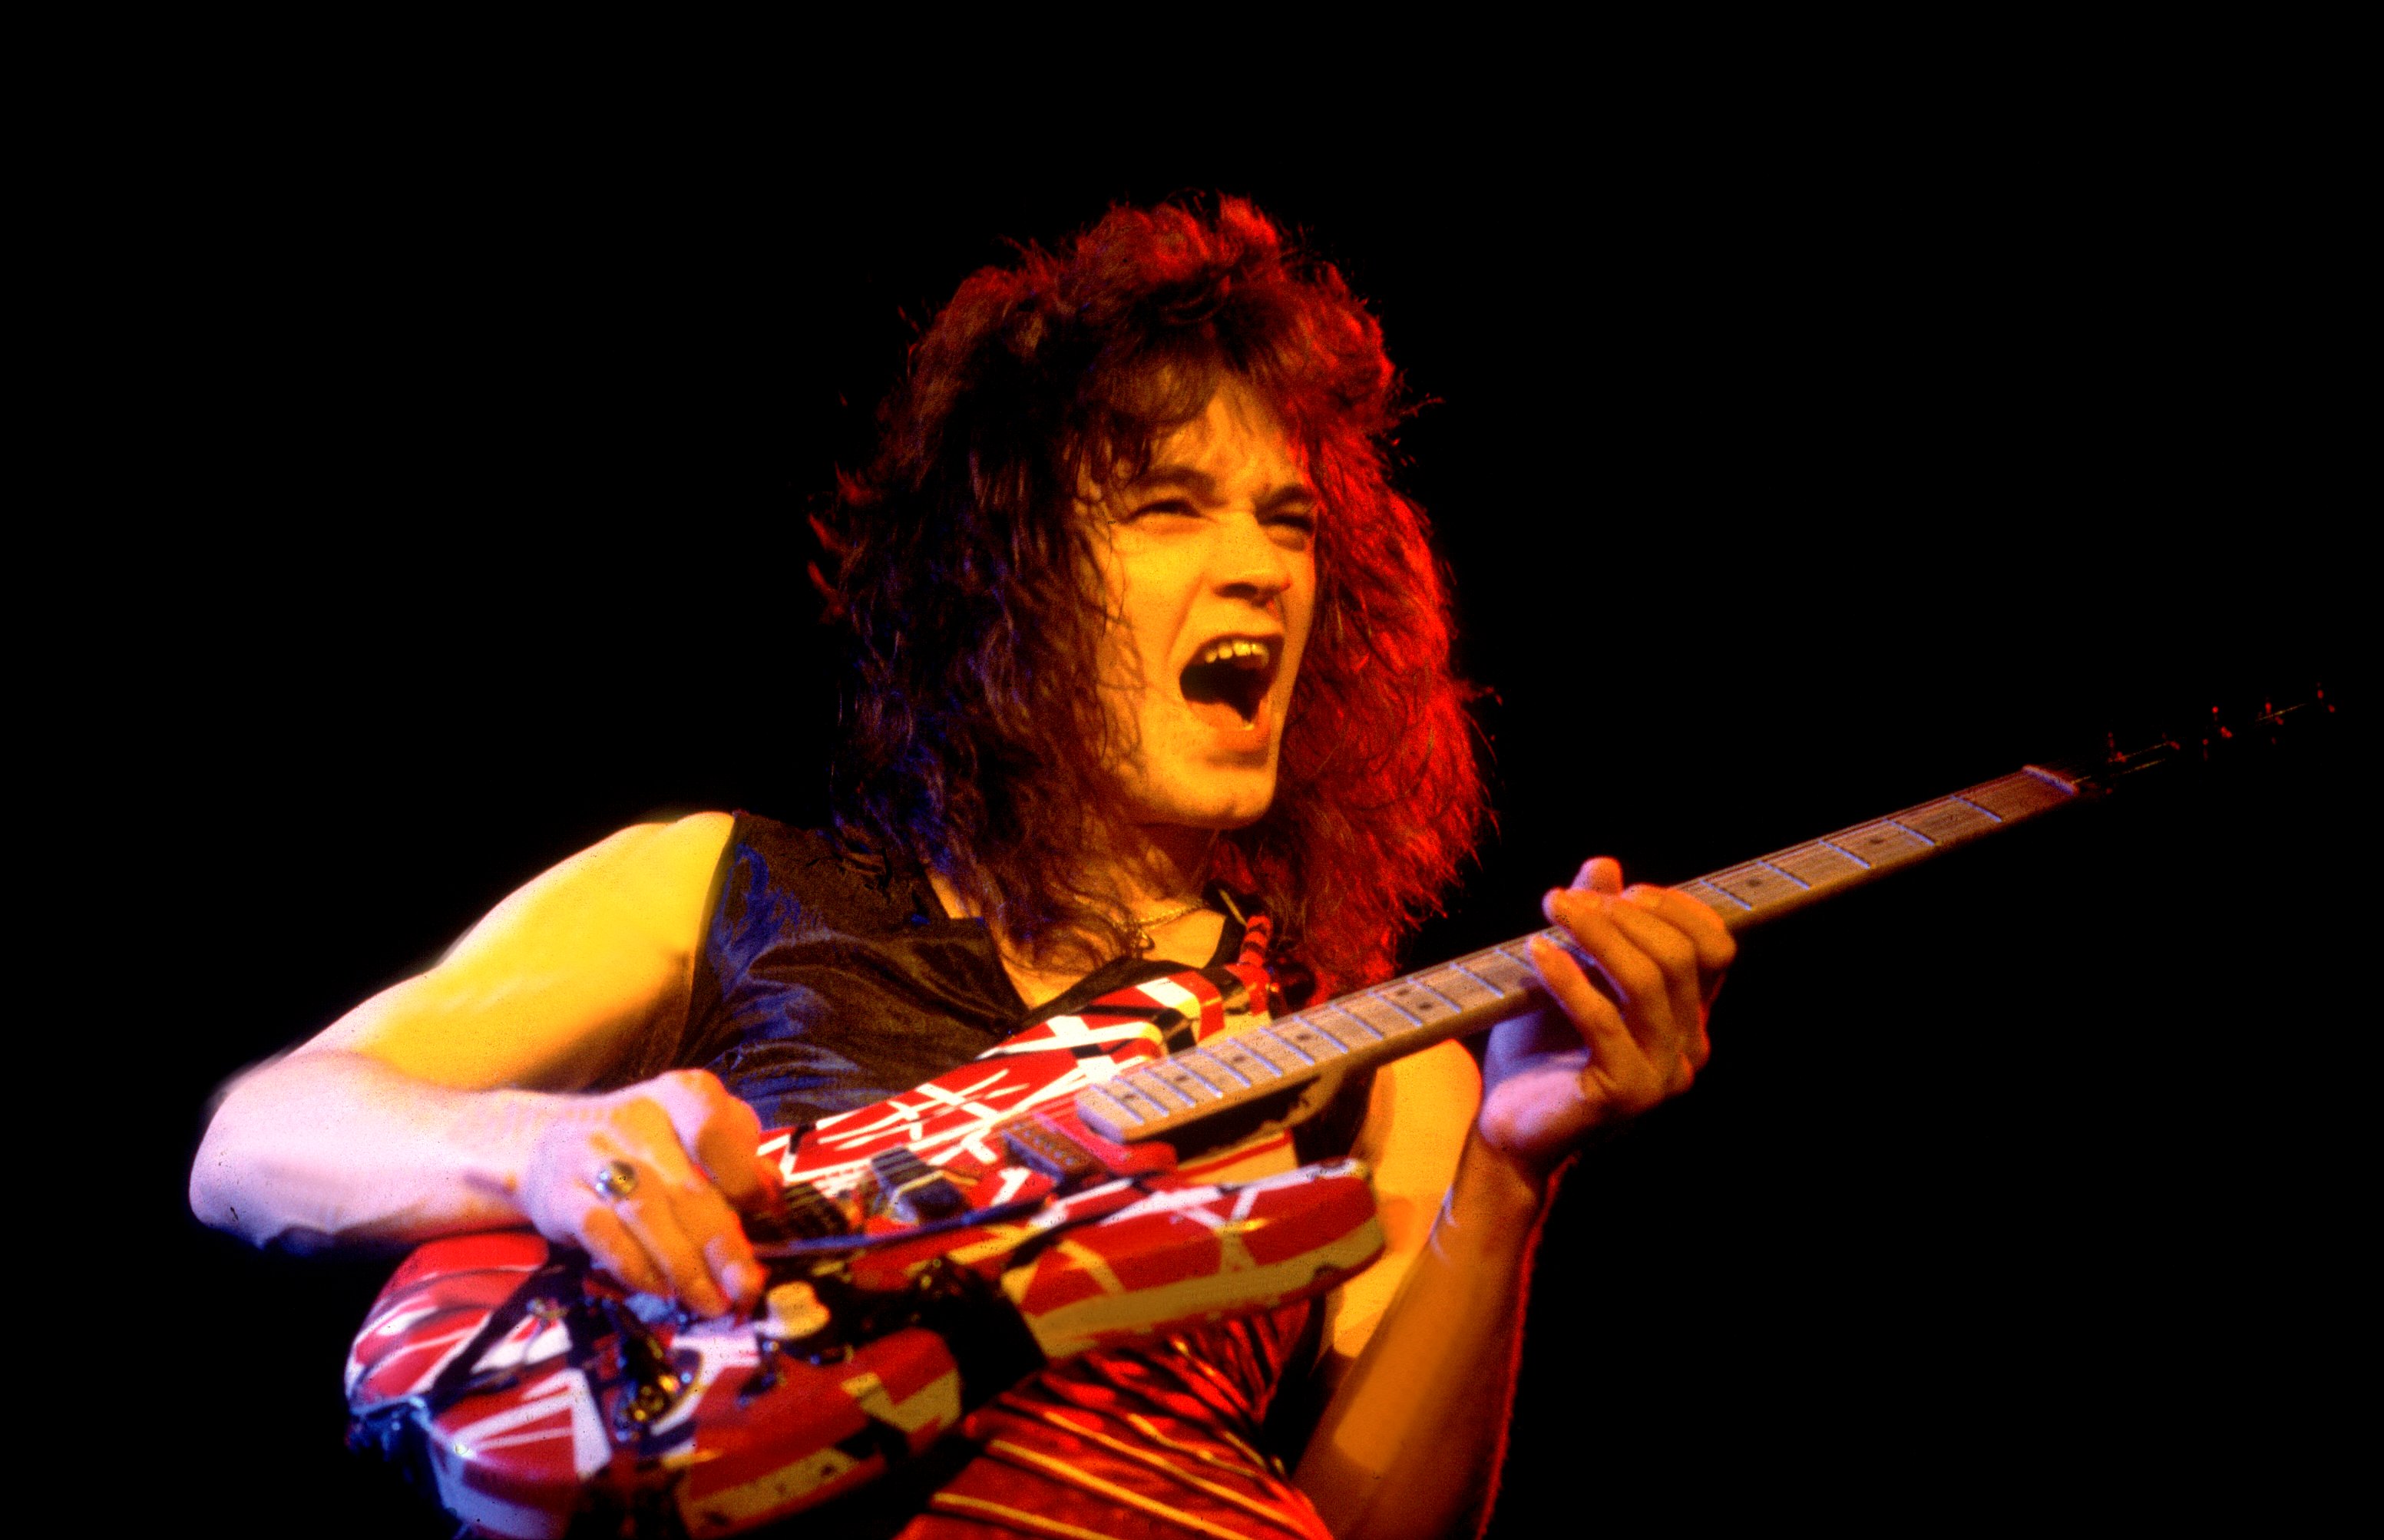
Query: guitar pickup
point(1039, 1146)
point(913, 1190)
point(803, 1214)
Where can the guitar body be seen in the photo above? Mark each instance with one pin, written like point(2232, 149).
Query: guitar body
point(543, 1432)
point(934, 1249)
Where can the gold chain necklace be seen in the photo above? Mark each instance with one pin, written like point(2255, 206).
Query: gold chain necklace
point(1140, 930)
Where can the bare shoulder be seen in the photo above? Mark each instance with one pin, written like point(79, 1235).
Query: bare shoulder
point(551, 985)
point(1417, 1121)
point(1415, 1128)
point(648, 881)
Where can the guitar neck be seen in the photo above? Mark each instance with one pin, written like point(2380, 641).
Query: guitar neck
point(1233, 1087)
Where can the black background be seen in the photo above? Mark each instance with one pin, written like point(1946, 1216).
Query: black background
point(1784, 482)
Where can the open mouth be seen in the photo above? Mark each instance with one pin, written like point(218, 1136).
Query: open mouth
point(1231, 673)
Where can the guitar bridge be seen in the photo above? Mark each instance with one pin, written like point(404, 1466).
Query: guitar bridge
point(654, 1380)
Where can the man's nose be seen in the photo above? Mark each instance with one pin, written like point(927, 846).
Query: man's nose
point(1249, 563)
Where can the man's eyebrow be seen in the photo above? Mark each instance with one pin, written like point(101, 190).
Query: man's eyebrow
point(1203, 486)
point(1183, 477)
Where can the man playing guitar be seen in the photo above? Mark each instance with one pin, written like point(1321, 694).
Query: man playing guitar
point(1147, 647)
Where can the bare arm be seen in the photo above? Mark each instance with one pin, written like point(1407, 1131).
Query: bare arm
point(1415, 1128)
point(446, 1102)
point(1411, 1442)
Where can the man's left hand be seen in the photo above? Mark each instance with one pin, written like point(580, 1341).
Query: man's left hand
point(1614, 1045)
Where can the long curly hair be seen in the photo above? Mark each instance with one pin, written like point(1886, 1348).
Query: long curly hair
point(975, 740)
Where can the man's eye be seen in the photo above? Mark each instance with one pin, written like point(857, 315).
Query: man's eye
point(1165, 506)
point(1302, 525)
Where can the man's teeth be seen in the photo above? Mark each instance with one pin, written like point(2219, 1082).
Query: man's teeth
point(1234, 652)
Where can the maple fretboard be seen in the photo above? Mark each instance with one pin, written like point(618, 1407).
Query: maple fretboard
point(1231, 1087)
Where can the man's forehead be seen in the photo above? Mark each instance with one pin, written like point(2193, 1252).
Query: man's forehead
point(1235, 447)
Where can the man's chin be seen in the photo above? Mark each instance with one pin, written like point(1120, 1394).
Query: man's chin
point(1222, 808)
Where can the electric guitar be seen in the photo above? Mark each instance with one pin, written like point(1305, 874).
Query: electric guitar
point(1058, 1193)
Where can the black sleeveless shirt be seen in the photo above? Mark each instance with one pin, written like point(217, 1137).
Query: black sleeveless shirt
point(826, 982)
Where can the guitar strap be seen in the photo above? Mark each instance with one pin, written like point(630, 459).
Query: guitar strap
point(1126, 1014)
point(1182, 1006)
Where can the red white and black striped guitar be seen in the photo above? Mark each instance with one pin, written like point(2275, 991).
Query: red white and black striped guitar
point(1056, 1194)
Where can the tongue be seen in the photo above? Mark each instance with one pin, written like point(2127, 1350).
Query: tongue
point(1219, 716)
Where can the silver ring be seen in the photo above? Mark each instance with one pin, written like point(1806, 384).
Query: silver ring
point(615, 1179)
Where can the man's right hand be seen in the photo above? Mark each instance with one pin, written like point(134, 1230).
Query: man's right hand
point(671, 1229)
point(449, 1101)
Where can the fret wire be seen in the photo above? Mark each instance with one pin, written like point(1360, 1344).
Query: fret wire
point(1387, 1023)
point(1145, 1106)
point(1817, 865)
point(1483, 964)
point(1181, 1082)
point(1727, 897)
point(1263, 1044)
point(1228, 1077)
point(1420, 1000)
point(1307, 1040)
point(1242, 1060)
point(1329, 1019)
point(1097, 1094)
point(1154, 1089)
point(1450, 982)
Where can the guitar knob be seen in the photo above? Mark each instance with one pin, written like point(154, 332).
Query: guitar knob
point(792, 1312)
